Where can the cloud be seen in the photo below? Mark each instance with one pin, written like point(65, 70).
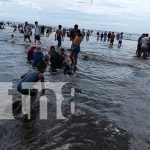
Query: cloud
point(117, 15)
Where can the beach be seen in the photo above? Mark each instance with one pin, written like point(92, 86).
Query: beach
point(111, 97)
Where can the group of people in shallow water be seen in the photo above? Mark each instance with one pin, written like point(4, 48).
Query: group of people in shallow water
point(110, 37)
point(143, 47)
point(56, 58)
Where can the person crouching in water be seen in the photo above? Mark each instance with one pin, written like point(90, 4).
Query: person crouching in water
point(66, 66)
point(56, 60)
point(76, 49)
point(32, 76)
point(30, 54)
point(38, 56)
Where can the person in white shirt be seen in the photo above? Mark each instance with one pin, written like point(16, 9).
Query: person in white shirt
point(37, 32)
point(27, 32)
point(120, 38)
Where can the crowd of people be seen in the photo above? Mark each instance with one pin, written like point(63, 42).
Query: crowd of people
point(56, 57)
point(110, 37)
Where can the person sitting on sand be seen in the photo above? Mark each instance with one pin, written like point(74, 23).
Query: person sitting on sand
point(38, 56)
point(32, 76)
point(105, 36)
point(56, 59)
point(76, 49)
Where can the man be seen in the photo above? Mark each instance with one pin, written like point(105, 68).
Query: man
point(59, 35)
point(27, 32)
point(112, 38)
point(73, 33)
point(120, 38)
point(37, 32)
point(109, 35)
point(76, 49)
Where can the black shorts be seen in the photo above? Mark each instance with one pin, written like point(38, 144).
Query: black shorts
point(27, 37)
point(120, 42)
point(37, 37)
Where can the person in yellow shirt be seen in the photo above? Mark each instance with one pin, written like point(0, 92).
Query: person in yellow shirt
point(76, 49)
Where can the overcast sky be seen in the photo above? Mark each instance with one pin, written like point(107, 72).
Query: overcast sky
point(115, 15)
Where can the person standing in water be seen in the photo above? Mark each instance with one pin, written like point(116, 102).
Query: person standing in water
point(59, 35)
point(87, 35)
point(73, 33)
point(120, 38)
point(102, 35)
point(105, 36)
point(37, 32)
point(112, 38)
point(75, 49)
point(109, 35)
point(27, 32)
point(98, 35)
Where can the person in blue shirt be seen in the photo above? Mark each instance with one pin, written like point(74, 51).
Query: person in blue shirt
point(34, 75)
point(38, 56)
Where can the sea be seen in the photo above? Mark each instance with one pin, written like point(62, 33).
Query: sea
point(112, 91)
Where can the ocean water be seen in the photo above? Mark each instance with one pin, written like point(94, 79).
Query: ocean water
point(112, 93)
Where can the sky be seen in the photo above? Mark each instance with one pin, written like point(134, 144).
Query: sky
point(115, 15)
